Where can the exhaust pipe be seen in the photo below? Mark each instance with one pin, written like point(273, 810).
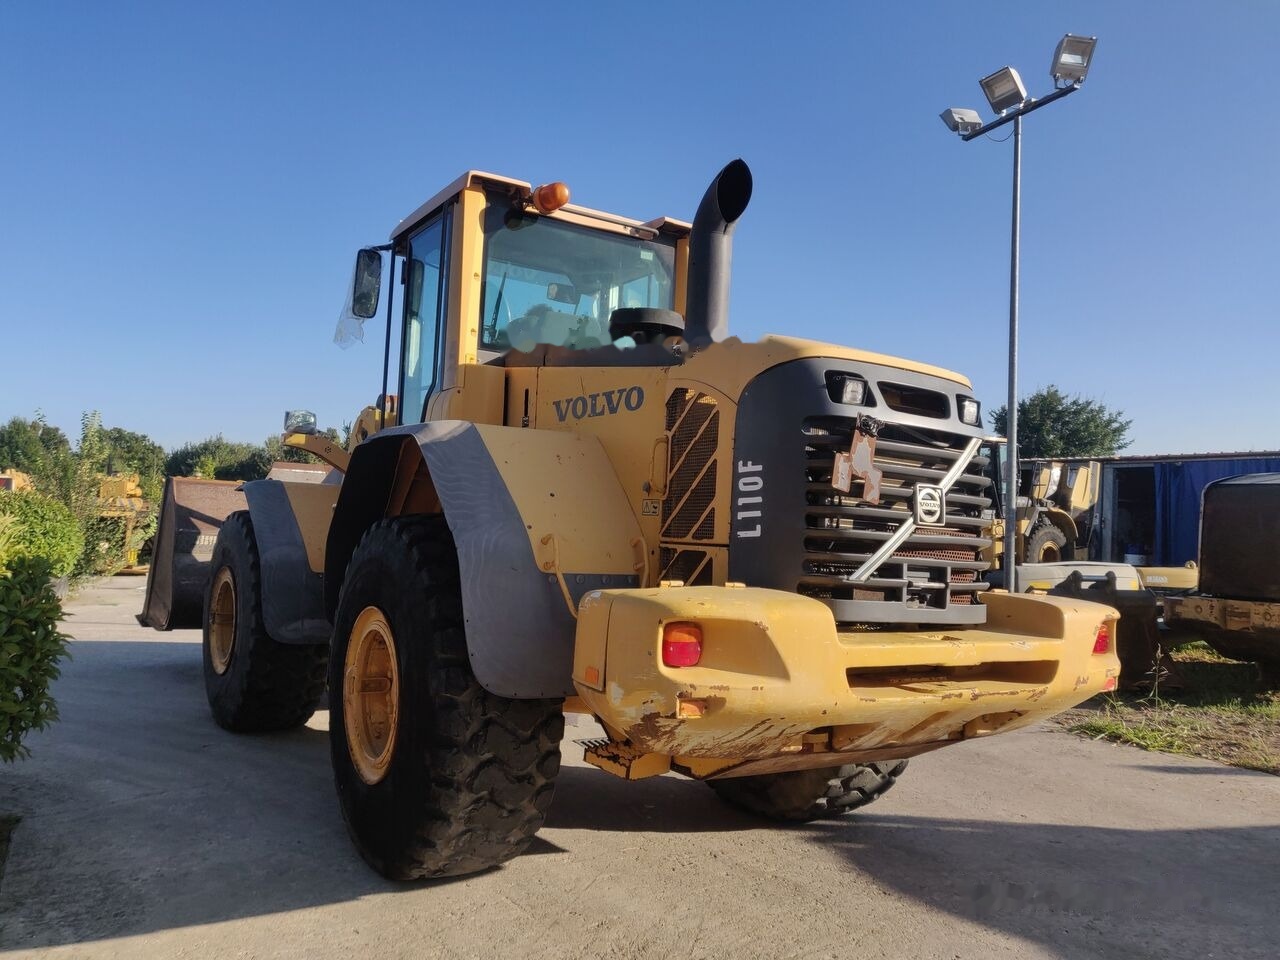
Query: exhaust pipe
point(706, 314)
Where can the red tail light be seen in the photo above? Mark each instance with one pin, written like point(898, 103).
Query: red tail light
point(681, 644)
point(1102, 642)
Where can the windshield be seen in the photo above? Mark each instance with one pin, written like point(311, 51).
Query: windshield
point(546, 281)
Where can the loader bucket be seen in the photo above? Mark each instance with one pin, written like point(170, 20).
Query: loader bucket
point(190, 517)
point(1143, 661)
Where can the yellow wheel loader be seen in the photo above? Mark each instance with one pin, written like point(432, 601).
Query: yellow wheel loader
point(755, 564)
point(1055, 504)
point(1060, 497)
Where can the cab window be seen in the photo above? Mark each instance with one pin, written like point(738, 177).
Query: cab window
point(423, 296)
point(551, 282)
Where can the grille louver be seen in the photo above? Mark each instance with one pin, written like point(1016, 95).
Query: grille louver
point(693, 567)
point(693, 422)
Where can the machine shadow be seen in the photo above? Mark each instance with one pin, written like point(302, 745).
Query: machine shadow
point(1191, 892)
point(589, 799)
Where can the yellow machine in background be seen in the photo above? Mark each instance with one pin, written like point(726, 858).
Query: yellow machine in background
point(120, 497)
point(1055, 507)
point(15, 480)
point(756, 564)
point(1053, 519)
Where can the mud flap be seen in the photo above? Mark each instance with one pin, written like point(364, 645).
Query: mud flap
point(292, 593)
point(190, 517)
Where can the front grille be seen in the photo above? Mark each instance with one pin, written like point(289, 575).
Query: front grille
point(936, 567)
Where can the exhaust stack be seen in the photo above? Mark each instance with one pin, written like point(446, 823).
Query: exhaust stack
point(711, 253)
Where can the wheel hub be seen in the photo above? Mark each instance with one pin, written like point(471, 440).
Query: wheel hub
point(371, 695)
point(222, 621)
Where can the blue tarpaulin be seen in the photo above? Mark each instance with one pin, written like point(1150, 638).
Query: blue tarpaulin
point(1179, 485)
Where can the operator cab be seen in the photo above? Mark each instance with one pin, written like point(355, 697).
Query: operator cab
point(495, 272)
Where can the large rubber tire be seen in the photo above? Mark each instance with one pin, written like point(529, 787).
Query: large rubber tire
point(804, 795)
point(471, 775)
point(265, 685)
point(1048, 544)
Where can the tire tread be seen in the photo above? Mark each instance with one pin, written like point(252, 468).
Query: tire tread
point(805, 795)
point(275, 686)
point(492, 761)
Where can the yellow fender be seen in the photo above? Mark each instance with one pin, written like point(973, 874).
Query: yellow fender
point(539, 519)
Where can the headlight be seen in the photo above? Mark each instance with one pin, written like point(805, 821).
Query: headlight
point(847, 388)
point(970, 411)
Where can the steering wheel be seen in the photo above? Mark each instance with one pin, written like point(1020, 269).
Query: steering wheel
point(645, 324)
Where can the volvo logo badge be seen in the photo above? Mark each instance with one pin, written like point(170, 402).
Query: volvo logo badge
point(930, 505)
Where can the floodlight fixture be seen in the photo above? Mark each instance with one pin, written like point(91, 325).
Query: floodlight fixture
point(1072, 58)
point(1004, 89)
point(959, 120)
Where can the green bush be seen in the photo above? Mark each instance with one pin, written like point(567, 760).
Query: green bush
point(45, 529)
point(104, 548)
point(30, 648)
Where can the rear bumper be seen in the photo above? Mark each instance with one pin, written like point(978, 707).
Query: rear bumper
point(778, 687)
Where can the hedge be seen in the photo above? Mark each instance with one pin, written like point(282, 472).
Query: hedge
point(45, 529)
point(30, 648)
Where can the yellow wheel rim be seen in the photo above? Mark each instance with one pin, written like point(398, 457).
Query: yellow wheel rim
point(371, 695)
point(222, 621)
point(1050, 554)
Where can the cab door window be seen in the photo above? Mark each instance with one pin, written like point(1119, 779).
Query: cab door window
point(424, 298)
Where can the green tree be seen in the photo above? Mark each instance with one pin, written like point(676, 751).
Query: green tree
point(223, 459)
point(218, 458)
point(71, 476)
point(1052, 424)
point(25, 444)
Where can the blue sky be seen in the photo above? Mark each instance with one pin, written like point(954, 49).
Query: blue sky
point(183, 187)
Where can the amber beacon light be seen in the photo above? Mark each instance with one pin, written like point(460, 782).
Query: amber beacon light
point(550, 197)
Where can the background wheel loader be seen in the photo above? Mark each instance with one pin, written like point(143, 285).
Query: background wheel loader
point(1056, 501)
point(755, 564)
point(1055, 518)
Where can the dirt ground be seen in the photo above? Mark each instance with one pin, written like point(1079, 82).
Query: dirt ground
point(146, 831)
point(1219, 710)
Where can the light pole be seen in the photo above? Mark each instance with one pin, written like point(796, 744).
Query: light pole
point(1008, 98)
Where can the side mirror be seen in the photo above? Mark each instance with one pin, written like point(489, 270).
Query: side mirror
point(368, 283)
point(300, 421)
